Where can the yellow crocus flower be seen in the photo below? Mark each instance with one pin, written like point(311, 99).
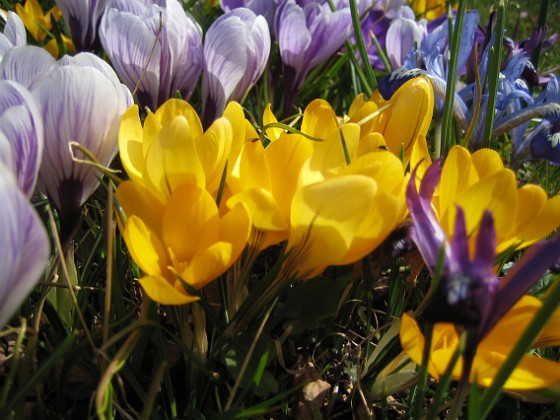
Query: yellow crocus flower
point(171, 148)
point(532, 373)
point(182, 241)
point(38, 22)
point(479, 181)
point(401, 120)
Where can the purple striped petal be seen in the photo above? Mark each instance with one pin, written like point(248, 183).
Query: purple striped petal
point(78, 103)
point(82, 18)
point(402, 36)
point(236, 51)
point(21, 134)
point(23, 64)
point(24, 244)
point(308, 36)
point(14, 34)
point(156, 49)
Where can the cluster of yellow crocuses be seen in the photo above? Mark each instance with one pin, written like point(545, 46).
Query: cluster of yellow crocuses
point(333, 189)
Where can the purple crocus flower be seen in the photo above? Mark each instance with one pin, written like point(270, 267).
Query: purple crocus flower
point(83, 18)
point(236, 50)
point(80, 99)
point(154, 46)
point(469, 293)
point(24, 243)
point(21, 134)
point(307, 36)
point(14, 34)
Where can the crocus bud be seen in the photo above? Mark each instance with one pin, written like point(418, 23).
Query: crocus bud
point(81, 100)
point(24, 244)
point(307, 36)
point(82, 18)
point(21, 134)
point(236, 50)
point(155, 48)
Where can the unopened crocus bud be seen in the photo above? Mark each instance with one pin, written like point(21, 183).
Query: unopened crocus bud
point(236, 51)
point(82, 18)
point(155, 48)
point(307, 36)
point(81, 100)
point(21, 134)
point(24, 244)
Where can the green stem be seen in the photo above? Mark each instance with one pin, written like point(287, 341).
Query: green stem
point(455, 42)
point(421, 386)
point(370, 75)
point(493, 75)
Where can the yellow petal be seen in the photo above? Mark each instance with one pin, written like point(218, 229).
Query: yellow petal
point(530, 374)
point(534, 224)
point(409, 116)
point(263, 208)
point(130, 143)
point(235, 228)
point(284, 159)
point(413, 342)
point(487, 162)
point(173, 108)
point(385, 213)
point(323, 229)
point(381, 166)
point(273, 133)
point(213, 149)
point(372, 142)
point(329, 158)
point(253, 169)
point(190, 221)
point(159, 289)
point(208, 265)
point(172, 160)
point(235, 116)
point(145, 247)
point(137, 200)
point(319, 119)
point(498, 193)
point(457, 175)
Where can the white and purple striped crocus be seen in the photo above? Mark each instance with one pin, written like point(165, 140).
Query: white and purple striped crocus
point(80, 99)
point(24, 243)
point(266, 8)
point(14, 34)
point(154, 46)
point(236, 50)
point(307, 36)
point(403, 35)
point(83, 18)
point(21, 135)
